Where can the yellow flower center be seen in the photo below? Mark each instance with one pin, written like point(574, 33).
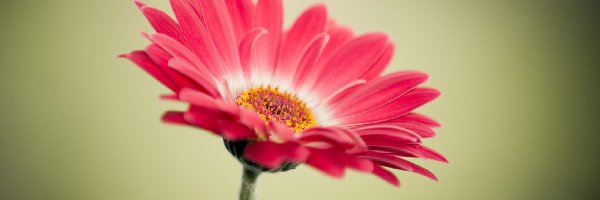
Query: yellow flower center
point(277, 106)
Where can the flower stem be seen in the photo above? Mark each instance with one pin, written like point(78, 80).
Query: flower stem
point(247, 192)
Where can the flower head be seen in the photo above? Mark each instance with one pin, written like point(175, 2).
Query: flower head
point(311, 94)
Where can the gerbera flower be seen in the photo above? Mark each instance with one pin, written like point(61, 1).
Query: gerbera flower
point(312, 94)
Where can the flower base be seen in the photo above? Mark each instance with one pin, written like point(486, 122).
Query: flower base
point(236, 148)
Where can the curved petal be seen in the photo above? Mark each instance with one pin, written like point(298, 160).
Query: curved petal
point(327, 161)
point(340, 35)
point(247, 50)
point(381, 64)
point(418, 118)
point(379, 92)
point(174, 117)
point(242, 13)
point(422, 171)
point(251, 119)
point(310, 24)
point(331, 136)
point(162, 23)
point(351, 61)
point(386, 175)
point(383, 131)
point(185, 68)
point(195, 32)
point(141, 59)
point(421, 130)
point(203, 118)
point(199, 99)
point(234, 131)
point(388, 161)
point(398, 163)
point(309, 58)
point(269, 15)
point(395, 109)
point(272, 155)
point(410, 150)
point(359, 164)
point(295, 152)
point(266, 154)
point(179, 51)
point(386, 140)
point(342, 92)
point(281, 133)
point(219, 25)
point(161, 58)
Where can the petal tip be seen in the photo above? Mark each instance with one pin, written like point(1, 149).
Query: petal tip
point(139, 3)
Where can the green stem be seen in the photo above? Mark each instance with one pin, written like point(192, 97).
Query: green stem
point(247, 192)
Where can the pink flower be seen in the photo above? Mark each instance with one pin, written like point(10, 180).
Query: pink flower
point(312, 94)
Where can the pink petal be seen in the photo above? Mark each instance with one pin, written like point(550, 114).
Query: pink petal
point(247, 51)
point(161, 57)
point(295, 152)
point(391, 146)
point(379, 92)
point(340, 35)
point(142, 60)
point(332, 136)
point(429, 153)
point(162, 23)
point(359, 164)
point(174, 117)
point(269, 15)
point(179, 51)
point(158, 55)
point(199, 99)
point(359, 145)
point(386, 175)
point(388, 132)
point(310, 24)
point(281, 132)
point(203, 81)
point(381, 64)
point(327, 161)
point(388, 161)
point(273, 155)
point(197, 35)
point(398, 163)
point(351, 61)
point(422, 171)
point(242, 14)
point(251, 119)
point(203, 118)
point(234, 131)
point(420, 129)
point(395, 109)
point(418, 118)
point(342, 93)
point(405, 150)
point(371, 140)
point(267, 154)
point(139, 4)
point(309, 58)
point(219, 24)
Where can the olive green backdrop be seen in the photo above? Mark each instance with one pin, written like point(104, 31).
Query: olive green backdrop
point(518, 108)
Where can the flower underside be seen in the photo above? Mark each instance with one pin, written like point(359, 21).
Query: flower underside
point(271, 104)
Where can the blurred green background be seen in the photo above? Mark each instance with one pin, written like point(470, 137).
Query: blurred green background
point(519, 105)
